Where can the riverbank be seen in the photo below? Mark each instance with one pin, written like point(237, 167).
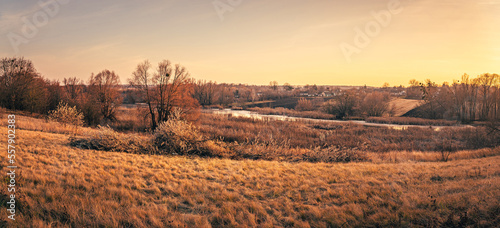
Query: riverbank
point(255, 115)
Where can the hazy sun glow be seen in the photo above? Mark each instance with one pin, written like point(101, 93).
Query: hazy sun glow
point(258, 41)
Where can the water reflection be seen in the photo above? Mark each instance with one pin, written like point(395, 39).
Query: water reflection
point(257, 116)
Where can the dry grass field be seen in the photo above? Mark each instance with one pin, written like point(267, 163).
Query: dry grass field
point(351, 136)
point(63, 186)
point(411, 121)
point(402, 106)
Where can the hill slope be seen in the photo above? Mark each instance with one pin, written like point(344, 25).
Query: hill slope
point(64, 186)
point(403, 106)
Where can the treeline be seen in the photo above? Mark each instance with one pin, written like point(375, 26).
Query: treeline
point(465, 100)
point(167, 91)
point(210, 93)
point(356, 103)
point(24, 89)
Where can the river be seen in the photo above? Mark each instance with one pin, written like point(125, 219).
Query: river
point(254, 115)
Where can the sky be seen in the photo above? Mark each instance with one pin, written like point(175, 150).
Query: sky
point(357, 42)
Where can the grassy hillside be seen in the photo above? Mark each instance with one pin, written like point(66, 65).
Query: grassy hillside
point(402, 106)
point(61, 186)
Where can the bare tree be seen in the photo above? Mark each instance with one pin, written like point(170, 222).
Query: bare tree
point(164, 90)
point(103, 88)
point(288, 87)
point(73, 90)
point(375, 104)
point(342, 106)
point(465, 98)
point(225, 94)
point(168, 81)
point(274, 85)
point(143, 82)
point(430, 94)
point(21, 86)
point(414, 90)
point(486, 83)
point(204, 92)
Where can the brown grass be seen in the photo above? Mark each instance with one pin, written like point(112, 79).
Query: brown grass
point(61, 186)
point(308, 135)
point(130, 120)
point(403, 106)
point(293, 113)
point(41, 124)
point(178, 137)
point(411, 121)
point(107, 139)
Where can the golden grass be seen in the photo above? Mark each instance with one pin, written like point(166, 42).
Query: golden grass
point(41, 124)
point(61, 186)
point(293, 113)
point(419, 156)
point(403, 106)
point(130, 119)
point(306, 135)
point(411, 121)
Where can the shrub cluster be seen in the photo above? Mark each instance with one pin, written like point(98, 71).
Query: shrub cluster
point(107, 139)
point(66, 115)
point(243, 138)
point(179, 137)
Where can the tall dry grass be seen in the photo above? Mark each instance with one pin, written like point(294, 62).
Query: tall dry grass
point(61, 186)
point(107, 139)
point(131, 120)
point(179, 137)
point(40, 123)
point(411, 121)
point(293, 113)
point(244, 138)
point(299, 134)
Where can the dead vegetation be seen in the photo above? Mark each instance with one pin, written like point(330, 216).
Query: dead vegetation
point(411, 121)
point(293, 113)
point(107, 139)
point(308, 135)
point(244, 138)
point(255, 173)
point(63, 186)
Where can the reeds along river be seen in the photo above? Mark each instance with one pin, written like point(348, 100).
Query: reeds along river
point(254, 115)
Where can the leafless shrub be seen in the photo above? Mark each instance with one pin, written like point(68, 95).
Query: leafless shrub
point(375, 104)
point(177, 136)
point(66, 115)
point(335, 154)
point(304, 105)
point(107, 139)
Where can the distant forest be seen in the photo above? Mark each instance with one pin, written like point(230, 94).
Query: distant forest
point(167, 88)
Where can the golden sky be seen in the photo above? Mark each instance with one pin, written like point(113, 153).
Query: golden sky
point(255, 42)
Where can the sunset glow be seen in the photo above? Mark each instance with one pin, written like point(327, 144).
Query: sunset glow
point(255, 42)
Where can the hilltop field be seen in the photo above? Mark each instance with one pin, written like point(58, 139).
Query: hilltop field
point(63, 186)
